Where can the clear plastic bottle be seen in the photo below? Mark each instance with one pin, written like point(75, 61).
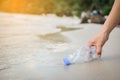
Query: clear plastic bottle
point(82, 54)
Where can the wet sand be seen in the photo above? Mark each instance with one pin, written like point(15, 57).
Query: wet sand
point(30, 55)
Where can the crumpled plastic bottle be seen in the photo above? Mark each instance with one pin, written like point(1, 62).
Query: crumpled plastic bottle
point(81, 55)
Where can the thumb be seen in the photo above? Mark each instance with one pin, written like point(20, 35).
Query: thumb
point(90, 44)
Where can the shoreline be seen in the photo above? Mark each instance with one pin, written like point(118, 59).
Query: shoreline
point(32, 56)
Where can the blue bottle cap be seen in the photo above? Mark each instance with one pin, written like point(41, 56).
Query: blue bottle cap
point(67, 62)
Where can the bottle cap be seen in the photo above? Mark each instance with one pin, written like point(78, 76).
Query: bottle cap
point(66, 61)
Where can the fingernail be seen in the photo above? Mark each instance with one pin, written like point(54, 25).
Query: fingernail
point(99, 56)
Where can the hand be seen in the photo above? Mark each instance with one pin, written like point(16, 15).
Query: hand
point(99, 40)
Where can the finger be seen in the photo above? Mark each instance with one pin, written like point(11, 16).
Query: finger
point(91, 44)
point(99, 50)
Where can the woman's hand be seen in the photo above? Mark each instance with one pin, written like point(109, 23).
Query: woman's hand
point(113, 19)
point(99, 40)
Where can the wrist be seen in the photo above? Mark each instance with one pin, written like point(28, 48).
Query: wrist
point(105, 31)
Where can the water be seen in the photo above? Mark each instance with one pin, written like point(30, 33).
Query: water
point(27, 38)
point(33, 48)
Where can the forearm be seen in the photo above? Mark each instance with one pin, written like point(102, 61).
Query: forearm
point(113, 18)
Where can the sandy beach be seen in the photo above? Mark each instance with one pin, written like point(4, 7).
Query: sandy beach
point(32, 47)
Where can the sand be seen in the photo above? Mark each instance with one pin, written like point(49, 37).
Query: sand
point(30, 55)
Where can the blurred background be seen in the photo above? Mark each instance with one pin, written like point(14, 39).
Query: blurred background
point(58, 7)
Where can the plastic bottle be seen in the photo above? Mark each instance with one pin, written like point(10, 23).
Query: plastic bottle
point(82, 54)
